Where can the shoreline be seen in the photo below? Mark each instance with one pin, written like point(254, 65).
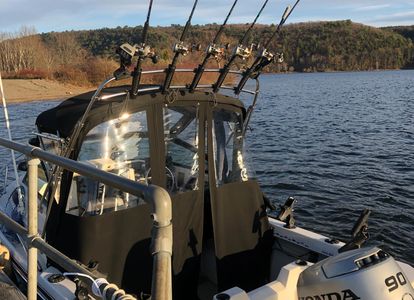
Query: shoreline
point(30, 90)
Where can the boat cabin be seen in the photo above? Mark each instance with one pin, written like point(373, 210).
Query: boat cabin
point(192, 145)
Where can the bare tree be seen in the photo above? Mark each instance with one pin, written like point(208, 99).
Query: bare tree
point(67, 49)
point(19, 50)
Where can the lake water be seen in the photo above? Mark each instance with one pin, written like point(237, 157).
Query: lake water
point(338, 142)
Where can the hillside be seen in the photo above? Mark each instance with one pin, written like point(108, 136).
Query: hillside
point(314, 46)
point(405, 31)
point(308, 47)
point(345, 46)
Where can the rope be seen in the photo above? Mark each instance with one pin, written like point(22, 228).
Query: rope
point(118, 294)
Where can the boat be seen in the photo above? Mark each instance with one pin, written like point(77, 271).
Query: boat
point(146, 191)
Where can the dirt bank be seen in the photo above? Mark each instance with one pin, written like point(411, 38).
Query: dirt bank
point(23, 90)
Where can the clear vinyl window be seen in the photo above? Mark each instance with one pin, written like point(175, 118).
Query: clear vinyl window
point(119, 146)
point(230, 155)
point(181, 148)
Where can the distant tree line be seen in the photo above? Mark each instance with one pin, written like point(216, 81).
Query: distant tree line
point(307, 47)
point(28, 55)
point(344, 46)
point(405, 31)
point(22, 50)
point(313, 46)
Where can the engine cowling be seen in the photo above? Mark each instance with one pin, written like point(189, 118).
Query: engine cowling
point(365, 274)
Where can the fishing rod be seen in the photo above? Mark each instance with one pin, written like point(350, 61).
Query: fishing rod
point(143, 51)
point(265, 57)
point(212, 51)
point(240, 51)
point(179, 49)
point(16, 174)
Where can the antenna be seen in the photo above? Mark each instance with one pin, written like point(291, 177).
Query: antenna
point(179, 49)
point(265, 57)
point(143, 51)
point(240, 51)
point(212, 50)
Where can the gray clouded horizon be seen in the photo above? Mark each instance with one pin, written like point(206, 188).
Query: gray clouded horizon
point(60, 15)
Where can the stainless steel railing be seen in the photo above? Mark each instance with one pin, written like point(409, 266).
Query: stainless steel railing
point(157, 88)
point(157, 197)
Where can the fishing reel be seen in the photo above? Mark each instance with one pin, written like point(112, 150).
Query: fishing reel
point(181, 48)
point(243, 52)
point(266, 58)
point(216, 52)
point(144, 51)
point(127, 53)
point(184, 50)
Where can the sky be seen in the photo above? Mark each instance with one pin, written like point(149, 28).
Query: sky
point(61, 15)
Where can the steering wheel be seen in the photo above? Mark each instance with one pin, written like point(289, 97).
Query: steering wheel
point(170, 186)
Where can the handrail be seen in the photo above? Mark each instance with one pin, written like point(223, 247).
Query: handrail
point(187, 70)
point(157, 88)
point(157, 197)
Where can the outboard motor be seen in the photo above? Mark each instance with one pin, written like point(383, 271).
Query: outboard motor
point(365, 274)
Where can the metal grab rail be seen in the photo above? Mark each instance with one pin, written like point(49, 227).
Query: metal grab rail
point(157, 88)
point(157, 197)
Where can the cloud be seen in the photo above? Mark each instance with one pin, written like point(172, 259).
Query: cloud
point(406, 17)
point(59, 15)
point(49, 15)
point(372, 7)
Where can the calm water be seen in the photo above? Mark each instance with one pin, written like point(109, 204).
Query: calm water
point(338, 142)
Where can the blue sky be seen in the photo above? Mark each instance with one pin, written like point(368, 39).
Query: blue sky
point(60, 15)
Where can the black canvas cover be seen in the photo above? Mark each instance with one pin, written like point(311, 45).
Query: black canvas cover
point(120, 241)
point(187, 243)
point(242, 235)
point(62, 119)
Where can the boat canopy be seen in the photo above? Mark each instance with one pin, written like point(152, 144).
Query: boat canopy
point(192, 145)
point(62, 119)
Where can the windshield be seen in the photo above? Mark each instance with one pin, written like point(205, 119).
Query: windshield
point(181, 148)
point(119, 146)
